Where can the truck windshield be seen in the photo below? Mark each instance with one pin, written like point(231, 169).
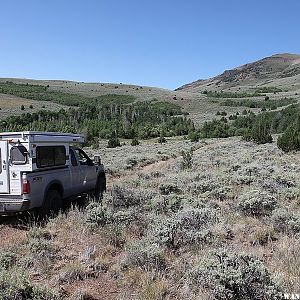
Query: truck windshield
point(18, 155)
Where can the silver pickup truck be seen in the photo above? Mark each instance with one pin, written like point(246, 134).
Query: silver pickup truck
point(38, 170)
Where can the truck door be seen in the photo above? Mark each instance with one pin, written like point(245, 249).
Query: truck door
point(4, 182)
point(75, 174)
point(88, 171)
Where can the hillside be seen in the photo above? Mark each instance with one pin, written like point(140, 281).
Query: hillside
point(143, 93)
point(188, 101)
point(280, 70)
point(277, 76)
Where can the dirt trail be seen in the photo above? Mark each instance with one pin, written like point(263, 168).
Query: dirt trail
point(159, 165)
point(132, 173)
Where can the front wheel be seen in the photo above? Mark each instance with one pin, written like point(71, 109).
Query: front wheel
point(100, 187)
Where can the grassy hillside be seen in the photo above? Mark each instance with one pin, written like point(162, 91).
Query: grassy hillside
point(82, 92)
point(202, 106)
point(12, 105)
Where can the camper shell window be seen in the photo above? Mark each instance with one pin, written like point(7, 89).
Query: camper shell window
point(18, 155)
point(50, 156)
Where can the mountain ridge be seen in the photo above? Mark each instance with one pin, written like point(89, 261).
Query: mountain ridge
point(275, 67)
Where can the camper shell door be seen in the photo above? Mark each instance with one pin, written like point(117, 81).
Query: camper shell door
point(4, 182)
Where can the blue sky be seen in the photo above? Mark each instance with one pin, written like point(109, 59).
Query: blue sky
point(157, 43)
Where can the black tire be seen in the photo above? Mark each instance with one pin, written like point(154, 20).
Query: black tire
point(52, 204)
point(100, 187)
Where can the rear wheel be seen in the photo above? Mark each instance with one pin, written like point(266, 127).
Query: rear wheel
point(52, 203)
point(100, 187)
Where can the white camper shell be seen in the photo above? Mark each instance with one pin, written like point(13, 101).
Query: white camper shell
point(31, 161)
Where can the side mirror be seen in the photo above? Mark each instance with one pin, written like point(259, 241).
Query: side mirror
point(97, 160)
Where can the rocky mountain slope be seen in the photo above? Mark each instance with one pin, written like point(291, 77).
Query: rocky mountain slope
point(280, 70)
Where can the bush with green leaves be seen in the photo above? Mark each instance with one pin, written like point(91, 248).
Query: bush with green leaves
point(186, 228)
point(194, 136)
point(260, 132)
point(144, 254)
point(234, 276)
point(257, 203)
point(290, 139)
point(284, 221)
point(187, 159)
point(113, 142)
point(135, 142)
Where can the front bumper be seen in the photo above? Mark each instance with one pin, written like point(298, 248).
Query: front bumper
point(13, 204)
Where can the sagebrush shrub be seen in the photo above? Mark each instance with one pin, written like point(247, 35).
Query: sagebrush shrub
point(97, 214)
point(234, 276)
point(187, 227)
point(7, 259)
point(202, 185)
point(167, 204)
point(144, 255)
point(74, 270)
point(15, 285)
point(257, 203)
point(284, 221)
point(169, 188)
point(100, 215)
point(126, 197)
point(125, 216)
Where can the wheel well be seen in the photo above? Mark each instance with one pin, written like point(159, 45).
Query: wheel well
point(57, 187)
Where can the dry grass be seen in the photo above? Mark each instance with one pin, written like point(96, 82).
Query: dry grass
point(11, 105)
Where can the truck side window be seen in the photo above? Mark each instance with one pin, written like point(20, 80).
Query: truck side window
point(18, 155)
point(73, 158)
point(50, 156)
point(83, 158)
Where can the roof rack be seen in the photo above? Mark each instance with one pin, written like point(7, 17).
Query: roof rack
point(39, 136)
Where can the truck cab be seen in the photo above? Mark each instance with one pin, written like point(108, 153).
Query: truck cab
point(38, 170)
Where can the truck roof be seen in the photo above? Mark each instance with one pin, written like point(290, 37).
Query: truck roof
point(40, 136)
